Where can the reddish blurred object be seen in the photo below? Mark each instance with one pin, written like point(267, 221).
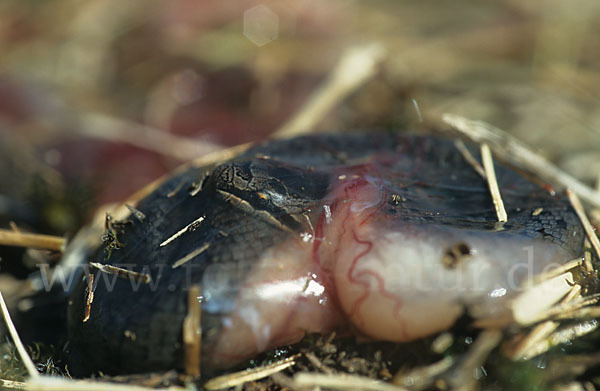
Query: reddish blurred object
point(184, 19)
point(37, 119)
point(234, 107)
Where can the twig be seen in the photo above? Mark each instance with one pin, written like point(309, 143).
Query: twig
point(356, 66)
point(490, 174)
point(17, 340)
point(42, 242)
point(589, 230)
point(514, 151)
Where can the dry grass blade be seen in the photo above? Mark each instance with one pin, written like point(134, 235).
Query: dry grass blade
point(423, 377)
point(40, 242)
point(314, 360)
point(185, 259)
point(183, 230)
point(570, 366)
point(574, 293)
point(588, 254)
point(122, 273)
point(17, 340)
point(442, 343)
point(104, 127)
point(557, 271)
point(544, 336)
point(569, 310)
point(192, 333)
point(536, 303)
point(490, 174)
point(462, 148)
point(135, 212)
point(417, 109)
point(580, 313)
point(241, 377)
point(589, 230)
point(461, 376)
point(304, 380)
point(215, 157)
point(12, 385)
point(356, 66)
point(285, 382)
point(89, 298)
point(561, 336)
point(47, 383)
point(522, 348)
point(514, 151)
point(573, 386)
point(531, 306)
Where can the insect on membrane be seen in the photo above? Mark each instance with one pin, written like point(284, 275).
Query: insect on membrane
point(389, 236)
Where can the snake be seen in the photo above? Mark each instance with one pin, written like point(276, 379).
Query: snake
point(387, 235)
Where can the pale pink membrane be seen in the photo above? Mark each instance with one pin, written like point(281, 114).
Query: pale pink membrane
point(389, 274)
point(359, 264)
point(281, 300)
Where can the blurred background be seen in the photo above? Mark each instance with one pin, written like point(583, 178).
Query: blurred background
point(100, 97)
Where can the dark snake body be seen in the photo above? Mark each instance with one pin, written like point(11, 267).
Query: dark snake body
point(139, 329)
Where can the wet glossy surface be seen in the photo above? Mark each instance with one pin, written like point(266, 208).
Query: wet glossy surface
point(383, 235)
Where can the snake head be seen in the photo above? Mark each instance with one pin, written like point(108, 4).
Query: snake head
point(270, 185)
